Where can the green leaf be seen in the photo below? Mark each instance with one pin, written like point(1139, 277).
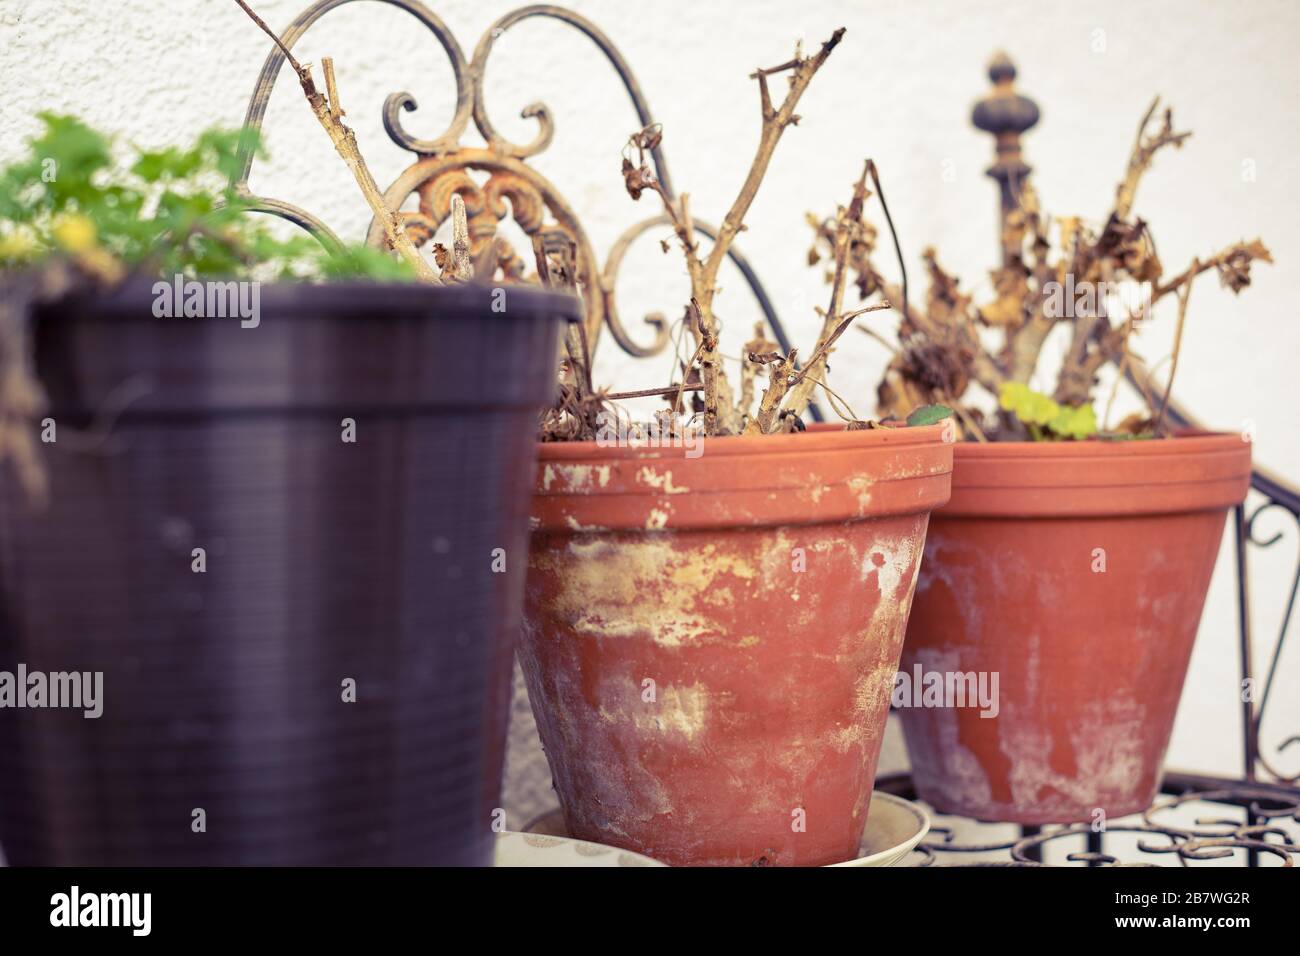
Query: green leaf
point(1032, 408)
point(1074, 422)
point(170, 163)
point(1045, 418)
point(929, 414)
point(160, 211)
point(365, 262)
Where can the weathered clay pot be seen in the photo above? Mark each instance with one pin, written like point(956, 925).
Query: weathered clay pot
point(710, 642)
point(1077, 573)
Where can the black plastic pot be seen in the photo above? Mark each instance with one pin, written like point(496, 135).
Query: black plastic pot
point(327, 561)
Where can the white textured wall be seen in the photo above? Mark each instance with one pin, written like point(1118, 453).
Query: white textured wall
point(899, 89)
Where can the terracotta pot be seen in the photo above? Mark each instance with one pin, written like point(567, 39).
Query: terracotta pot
point(1076, 573)
point(710, 642)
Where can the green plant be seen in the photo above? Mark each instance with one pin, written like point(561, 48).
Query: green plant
point(77, 199)
point(929, 415)
point(1045, 418)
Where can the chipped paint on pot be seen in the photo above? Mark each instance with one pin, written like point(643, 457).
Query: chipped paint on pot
point(1076, 572)
point(711, 670)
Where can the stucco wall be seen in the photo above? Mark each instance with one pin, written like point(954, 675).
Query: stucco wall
point(899, 90)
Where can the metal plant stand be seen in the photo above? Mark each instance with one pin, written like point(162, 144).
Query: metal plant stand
point(1254, 814)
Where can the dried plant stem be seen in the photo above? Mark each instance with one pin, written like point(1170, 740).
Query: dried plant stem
point(1025, 347)
point(686, 371)
point(1119, 376)
point(548, 244)
point(331, 90)
point(941, 348)
point(575, 347)
point(1078, 371)
point(785, 375)
point(1184, 294)
point(781, 377)
point(967, 419)
point(330, 114)
point(847, 221)
point(1089, 350)
point(1254, 250)
point(1144, 150)
point(1111, 345)
point(873, 334)
point(838, 404)
point(721, 415)
point(663, 390)
point(749, 368)
point(775, 121)
point(462, 264)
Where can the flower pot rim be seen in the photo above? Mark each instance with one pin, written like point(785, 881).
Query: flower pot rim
point(362, 298)
point(1186, 441)
point(1193, 471)
point(822, 436)
point(353, 349)
point(755, 481)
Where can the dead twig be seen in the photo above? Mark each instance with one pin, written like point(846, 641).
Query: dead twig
point(462, 264)
point(665, 391)
point(328, 111)
point(721, 414)
point(579, 413)
point(848, 227)
point(781, 374)
point(967, 419)
point(1144, 150)
point(1184, 293)
point(749, 370)
point(785, 375)
point(1119, 375)
point(1233, 264)
point(838, 405)
point(456, 264)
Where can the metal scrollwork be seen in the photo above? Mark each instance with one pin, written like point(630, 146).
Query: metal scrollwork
point(511, 190)
point(610, 281)
point(1277, 499)
point(393, 106)
point(539, 111)
point(1208, 839)
point(435, 178)
point(615, 261)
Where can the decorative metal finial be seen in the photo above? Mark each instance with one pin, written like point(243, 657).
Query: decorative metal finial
point(1001, 69)
point(1006, 114)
